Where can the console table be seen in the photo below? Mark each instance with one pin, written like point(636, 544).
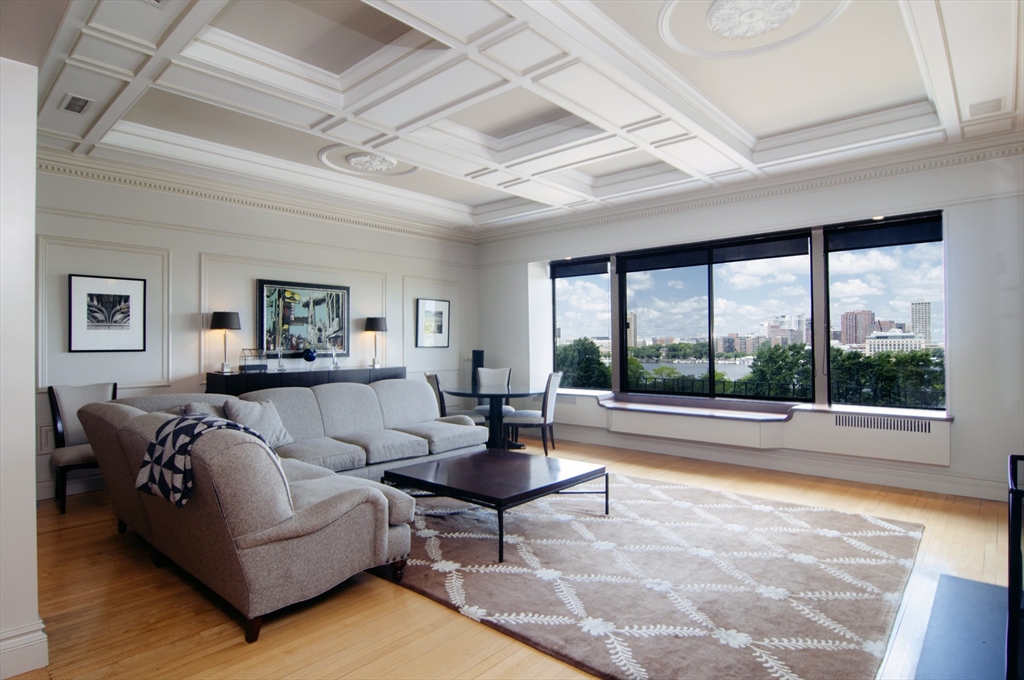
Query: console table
point(240, 383)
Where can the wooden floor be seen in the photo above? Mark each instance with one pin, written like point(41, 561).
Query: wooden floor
point(110, 613)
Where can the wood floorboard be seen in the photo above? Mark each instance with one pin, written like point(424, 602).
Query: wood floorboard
point(109, 613)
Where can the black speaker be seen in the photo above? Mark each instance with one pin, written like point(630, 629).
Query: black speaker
point(478, 362)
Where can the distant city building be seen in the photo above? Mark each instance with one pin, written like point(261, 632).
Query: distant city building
point(664, 340)
point(631, 330)
point(791, 322)
point(856, 326)
point(893, 341)
point(886, 326)
point(921, 320)
point(603, 342)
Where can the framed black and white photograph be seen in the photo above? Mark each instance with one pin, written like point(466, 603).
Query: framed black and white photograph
point(432, 322)
point(106, 314)
point(294, 316)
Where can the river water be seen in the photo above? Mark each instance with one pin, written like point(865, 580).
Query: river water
point(731, 371)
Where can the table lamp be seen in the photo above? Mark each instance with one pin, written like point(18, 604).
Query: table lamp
point(375, 324)
point(226, 321)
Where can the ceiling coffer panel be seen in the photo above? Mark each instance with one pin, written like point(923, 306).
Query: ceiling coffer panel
point(507, 113)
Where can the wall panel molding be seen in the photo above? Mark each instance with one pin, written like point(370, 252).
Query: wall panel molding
point(44, 244)
point(206, 259)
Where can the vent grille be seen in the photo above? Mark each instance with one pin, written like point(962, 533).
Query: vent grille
point(883, 423)
point(75, 104)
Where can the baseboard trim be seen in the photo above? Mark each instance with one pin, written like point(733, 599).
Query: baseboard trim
point(816, 464)
point(23, 649)
point(78, 482)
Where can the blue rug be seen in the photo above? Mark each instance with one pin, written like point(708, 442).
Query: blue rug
point(966, 636)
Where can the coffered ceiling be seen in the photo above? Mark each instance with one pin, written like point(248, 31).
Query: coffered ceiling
point(481, 115)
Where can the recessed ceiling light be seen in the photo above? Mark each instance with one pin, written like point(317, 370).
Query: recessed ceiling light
point(878, 217)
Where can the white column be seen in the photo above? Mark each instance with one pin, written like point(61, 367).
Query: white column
point(22, 640)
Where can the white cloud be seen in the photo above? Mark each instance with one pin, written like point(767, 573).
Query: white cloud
point(755, 273)
point(862, 261)
point(678, 285)
point(793, 290)
point(854, 288)
point(636, 281)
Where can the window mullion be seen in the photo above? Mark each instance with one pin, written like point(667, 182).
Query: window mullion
point(820, 323)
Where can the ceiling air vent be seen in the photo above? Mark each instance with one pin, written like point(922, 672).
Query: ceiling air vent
point(985, 108)
point(75, 104)
point(158, 3)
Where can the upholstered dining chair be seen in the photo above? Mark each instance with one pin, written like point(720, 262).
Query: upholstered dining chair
point(435, 384)
point(494, 377)
point(72, 450)
point(544, 418)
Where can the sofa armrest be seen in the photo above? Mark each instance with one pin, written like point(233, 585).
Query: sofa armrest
point(456, 420)
point(317, 516)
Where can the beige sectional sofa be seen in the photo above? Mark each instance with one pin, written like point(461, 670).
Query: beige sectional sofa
point(265, 533)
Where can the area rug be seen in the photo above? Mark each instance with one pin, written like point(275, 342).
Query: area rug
point(675, 582)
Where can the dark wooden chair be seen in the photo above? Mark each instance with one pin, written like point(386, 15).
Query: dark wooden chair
point(72, 451)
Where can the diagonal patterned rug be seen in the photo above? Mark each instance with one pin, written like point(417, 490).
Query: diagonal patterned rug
point(676, 582)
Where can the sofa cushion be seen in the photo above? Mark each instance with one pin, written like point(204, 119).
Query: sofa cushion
point(296, 470)
point(348, 408)
point(401, 506)
point(405, 402)
point(261, 416)
point(204, 407)
point(325, 452)
point(297, 407)
point(445, 436)
point(173, 403)
point(384, 445)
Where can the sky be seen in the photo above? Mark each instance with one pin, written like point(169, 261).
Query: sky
point(673, 302)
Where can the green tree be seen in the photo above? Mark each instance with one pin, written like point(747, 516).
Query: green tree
point(910, 379)
point(665, 372)
point(634, 371)
point(779, 371)
point(580, 362)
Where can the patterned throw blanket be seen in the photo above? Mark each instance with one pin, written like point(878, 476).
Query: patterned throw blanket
point(166, 469)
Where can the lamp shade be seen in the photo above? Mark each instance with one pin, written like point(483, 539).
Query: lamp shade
point(225, 320)
point(376, 323)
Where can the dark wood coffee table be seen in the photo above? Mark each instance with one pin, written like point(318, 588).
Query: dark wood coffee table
point(498, 479)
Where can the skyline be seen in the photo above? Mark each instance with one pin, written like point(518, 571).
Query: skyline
point(673, 302)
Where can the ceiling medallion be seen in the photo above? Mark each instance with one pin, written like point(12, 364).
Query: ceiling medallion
point(371, 162)
point(749, 18)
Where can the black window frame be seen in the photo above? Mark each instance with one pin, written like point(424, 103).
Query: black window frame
point(905, 229)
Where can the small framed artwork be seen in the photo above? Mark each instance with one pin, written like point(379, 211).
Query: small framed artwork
point(294, 316)
point(106, 314)
point(432, 322)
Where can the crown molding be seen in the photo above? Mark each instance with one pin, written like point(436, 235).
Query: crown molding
point(964, 153)
point(139, 177)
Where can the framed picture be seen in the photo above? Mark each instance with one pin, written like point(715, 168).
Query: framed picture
point(432, 322)
point(294, 316)
point(106, 314)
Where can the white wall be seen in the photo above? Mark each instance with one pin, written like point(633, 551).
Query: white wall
point(201, 255)
point(984, 217)
point(22, 641)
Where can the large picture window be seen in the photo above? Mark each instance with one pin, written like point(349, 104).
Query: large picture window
point(583, 323)
point(736, 318)
point(887, 313)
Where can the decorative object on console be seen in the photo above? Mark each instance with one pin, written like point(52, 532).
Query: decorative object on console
point(252, 361)
point(294, 316)
point(309, 355)
point(106, 314)
point(376, 324)
point(432, 321)
point(226, 321)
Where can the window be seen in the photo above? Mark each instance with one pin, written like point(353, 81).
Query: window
point(583, 323)
point(728, 319)
point(886, 310)
point(736, 318)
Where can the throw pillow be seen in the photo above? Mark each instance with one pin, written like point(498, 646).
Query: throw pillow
point(203, 407)
point(261, 416)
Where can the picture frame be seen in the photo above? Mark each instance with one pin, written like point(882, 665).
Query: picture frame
point(294, 316)
point(433, 322)
point(106, 314)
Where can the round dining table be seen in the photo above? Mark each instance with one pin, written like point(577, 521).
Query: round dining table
point(496, 396)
